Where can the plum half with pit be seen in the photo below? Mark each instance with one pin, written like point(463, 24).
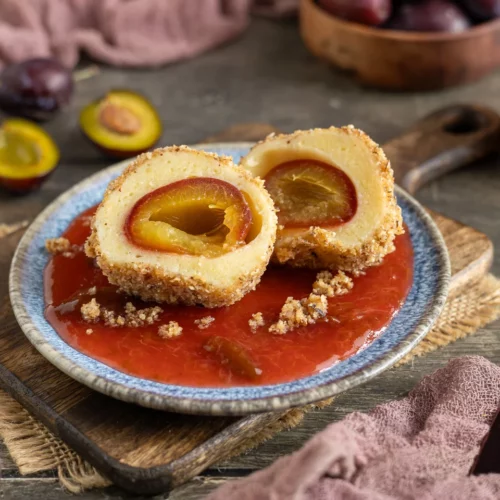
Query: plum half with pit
point(370, 12)
point(430, 15)
point(27, 155)
point(122, 124)
point(36, 88)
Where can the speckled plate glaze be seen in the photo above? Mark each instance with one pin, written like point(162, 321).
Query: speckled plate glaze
point(409, 326)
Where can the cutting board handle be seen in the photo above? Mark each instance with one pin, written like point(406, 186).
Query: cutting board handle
point(443, 141)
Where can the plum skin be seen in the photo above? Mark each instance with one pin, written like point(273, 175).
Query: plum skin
point(430, 16)
point(370, 12)
point(35, 88)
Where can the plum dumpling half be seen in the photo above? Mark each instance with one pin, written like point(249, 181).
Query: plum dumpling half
point(334, 192)
point(182, 226)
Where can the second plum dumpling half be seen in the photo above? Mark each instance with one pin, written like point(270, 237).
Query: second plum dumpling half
point(183, 226)
point(334, 192)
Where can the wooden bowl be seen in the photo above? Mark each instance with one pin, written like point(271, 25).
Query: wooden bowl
point(401, 60)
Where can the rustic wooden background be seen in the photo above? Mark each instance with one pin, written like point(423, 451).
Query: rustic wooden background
point(267, 76)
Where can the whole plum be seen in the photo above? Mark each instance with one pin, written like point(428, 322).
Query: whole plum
point(482, 10)
point(370, 12)
point(36, 88)
point(430, 15)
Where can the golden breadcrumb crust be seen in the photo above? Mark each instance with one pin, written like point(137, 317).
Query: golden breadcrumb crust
point(170, 330)
point(152, 282)
point(319, 248)
point(308, 311)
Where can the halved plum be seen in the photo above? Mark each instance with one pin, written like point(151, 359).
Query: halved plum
point(27, 155)
point(122, 124)
point(311, 193)
point(196, 216)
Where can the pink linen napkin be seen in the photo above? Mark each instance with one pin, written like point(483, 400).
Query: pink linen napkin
point(123, 32)
point(421, 447)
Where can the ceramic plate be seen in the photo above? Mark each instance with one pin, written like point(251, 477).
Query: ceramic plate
point(423, 305)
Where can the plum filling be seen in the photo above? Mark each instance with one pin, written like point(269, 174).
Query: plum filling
point(196, 216)
point(311, 193)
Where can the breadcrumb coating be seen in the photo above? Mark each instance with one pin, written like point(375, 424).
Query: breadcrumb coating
point(93, 312)
point(357, 244)
point(328, 284)
point(296, 313)
point(256, 321)
point(169, 331)
point(57, 245)
point(178, 278)
point(205, 322)
point(62, 246)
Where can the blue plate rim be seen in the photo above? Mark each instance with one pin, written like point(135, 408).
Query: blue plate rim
point(164, 399)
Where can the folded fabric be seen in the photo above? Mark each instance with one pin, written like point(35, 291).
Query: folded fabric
point(421, 447)
point(123, 32)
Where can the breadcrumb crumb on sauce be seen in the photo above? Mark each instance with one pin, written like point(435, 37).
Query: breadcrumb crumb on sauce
point(296, 313)
point(89, 331)
point(256, 321)
point(56, 246)
point(332, 286)
point(170, 330)
point(92, 312)
point(204, 322)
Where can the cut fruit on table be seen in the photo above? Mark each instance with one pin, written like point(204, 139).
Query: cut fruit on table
point(123, 124)
point(27, 155)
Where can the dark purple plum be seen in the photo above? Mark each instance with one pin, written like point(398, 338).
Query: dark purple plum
point(482, 10)
point(370, 12)
point(35, 89)
point(430, 15)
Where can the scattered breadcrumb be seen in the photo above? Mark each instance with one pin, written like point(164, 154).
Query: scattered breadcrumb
point(91, 311)
point(57, 245)
point(89, 331)
point(296, 313)
point(170, 331)
point(132, 317)
point(204, 322)
point(6, 229)
point(255, 321)
point(332, 286)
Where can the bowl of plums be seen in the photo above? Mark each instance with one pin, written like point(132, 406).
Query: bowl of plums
point(405, 44)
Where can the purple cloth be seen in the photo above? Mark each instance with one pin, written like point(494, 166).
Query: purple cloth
point(123, 32)
point(421, 447)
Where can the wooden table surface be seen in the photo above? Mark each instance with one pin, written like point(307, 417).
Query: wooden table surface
point(267, 76)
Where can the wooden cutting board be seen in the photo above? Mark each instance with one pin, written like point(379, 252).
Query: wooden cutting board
point(148, 451)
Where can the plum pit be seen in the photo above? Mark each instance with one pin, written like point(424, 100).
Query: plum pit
point(122, 123)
